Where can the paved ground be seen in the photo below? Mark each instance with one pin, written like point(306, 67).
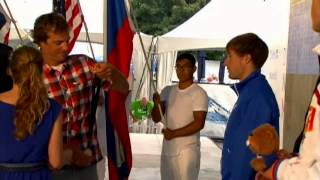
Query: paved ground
point(146, 149)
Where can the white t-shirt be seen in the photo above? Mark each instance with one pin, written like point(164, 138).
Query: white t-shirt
point(180, 105)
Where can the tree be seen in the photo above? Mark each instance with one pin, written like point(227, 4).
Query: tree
point(159, 17)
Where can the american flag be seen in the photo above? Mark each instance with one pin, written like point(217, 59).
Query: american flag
point(5, 23)
point(71, 10)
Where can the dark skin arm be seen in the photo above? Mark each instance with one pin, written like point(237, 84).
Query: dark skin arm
point(194, 127)
point(155, 114)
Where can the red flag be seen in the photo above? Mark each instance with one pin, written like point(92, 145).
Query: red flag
point(120, 47)
point(71, 10)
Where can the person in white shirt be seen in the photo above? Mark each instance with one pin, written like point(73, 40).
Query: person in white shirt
point(185, 106)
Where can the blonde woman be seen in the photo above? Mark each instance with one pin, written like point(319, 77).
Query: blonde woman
point(30, 125)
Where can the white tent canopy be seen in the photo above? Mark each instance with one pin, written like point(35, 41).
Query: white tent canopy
point(220, 20)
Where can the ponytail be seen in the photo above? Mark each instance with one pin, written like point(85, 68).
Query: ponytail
point(26, 68)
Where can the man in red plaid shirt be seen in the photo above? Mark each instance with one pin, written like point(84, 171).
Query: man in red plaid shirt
point(70, 81)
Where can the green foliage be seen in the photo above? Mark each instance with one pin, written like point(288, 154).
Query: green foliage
point(159, 17)
point(212, 55)
point(215, 55)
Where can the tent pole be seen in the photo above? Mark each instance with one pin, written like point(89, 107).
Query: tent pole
point(142, 45)
point(144, 69)
point(163, 120)
point(13, 21)
point(86, 29)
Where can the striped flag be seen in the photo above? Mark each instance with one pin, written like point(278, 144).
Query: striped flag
point(5, 23)
point(71, 10)
point(119, 36)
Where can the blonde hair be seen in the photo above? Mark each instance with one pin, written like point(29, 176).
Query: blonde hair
point(26, 68)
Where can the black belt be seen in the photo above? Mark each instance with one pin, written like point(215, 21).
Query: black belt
point(13, 167)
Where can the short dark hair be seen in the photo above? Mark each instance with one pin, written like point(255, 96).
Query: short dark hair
point(252, 44)
point(187, 56)
point(51, 22)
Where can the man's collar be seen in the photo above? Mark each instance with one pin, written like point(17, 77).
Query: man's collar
point(51, 69)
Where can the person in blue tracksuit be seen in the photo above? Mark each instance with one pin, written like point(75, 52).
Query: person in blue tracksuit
point(256, 104)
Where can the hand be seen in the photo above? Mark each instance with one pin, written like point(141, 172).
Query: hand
point(67, 156)
point(283, 154)
point(259, 176)
point(168, 134)
point(79, 157)
point(103, 70)
point(156, 98)
point(108, 72)
point(266, 175)
point(82, 158)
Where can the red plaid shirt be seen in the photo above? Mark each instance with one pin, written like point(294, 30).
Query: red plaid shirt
point(71, 86)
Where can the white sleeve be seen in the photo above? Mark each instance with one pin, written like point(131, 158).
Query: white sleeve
point(307, 165)
point(200, 100)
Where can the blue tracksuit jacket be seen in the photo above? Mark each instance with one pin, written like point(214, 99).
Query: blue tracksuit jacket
point(256, 105)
